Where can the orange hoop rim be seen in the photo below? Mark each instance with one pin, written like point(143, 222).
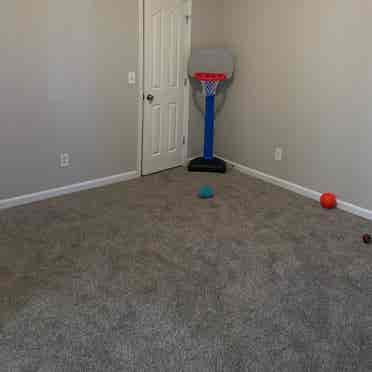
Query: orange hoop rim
point(207, 76)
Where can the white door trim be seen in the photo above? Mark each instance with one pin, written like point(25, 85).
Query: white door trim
point(141, 72)
point(141, 42)
point(186, 104)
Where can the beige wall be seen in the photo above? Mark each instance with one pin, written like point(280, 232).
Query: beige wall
point(63, 88)
point(63, 74)
point(27, 137)
point(304, 82)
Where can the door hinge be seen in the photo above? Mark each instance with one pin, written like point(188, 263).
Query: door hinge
point(184, 140)
point(185, 81)
point(187, 19)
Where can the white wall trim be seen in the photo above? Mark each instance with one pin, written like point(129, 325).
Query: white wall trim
point(186, 104)
point(140, 73)
point(52, 193)
point(312, 194)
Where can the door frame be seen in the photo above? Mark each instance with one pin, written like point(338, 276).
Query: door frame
point(141, 88)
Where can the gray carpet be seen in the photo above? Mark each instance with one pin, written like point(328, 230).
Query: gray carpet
point(144, 276)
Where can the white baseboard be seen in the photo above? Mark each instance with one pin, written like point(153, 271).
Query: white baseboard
point(354, 209)
point(52, 193)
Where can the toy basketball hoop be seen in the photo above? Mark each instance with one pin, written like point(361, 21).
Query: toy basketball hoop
point(210, 67)
point(210, 82)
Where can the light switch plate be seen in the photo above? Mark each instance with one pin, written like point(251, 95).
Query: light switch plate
point(131, 78)
point(278, 154)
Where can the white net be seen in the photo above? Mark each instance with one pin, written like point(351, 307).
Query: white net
point(210, 87)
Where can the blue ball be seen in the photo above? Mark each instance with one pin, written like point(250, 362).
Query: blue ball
point(206, 192)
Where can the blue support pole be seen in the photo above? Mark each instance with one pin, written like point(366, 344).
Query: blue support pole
point(209, 128)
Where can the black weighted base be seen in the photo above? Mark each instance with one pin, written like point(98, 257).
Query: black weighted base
point(202, 165)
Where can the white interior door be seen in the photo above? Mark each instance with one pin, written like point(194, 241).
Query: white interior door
point(164, 64)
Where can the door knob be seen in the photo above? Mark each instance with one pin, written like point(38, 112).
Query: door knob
point(150, 98)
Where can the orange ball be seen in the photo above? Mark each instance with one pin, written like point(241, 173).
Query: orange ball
point(328, 201)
